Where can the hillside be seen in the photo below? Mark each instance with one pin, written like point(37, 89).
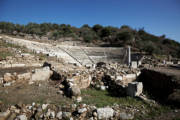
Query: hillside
point(98, 35)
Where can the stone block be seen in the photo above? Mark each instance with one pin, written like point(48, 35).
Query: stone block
point(134, 64)
point(139, 63)
point(8, 77)
point(134, 89)
point(169, 62)
point(119, 77)
point(42, 74)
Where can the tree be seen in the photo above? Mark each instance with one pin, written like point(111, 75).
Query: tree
point(7, 27)
point(19, 28)
point(109, 31)
point(105, 32)
point(88, 34)
point(85, 26)
point(33, 28)
point(178, 54)
point(97, 28)
point(125, 37)
point(56, 35)
point(151, 48)
point(55, 26)
point(125, 27)
point(44, 28)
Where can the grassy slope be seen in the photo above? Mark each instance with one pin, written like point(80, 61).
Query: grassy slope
point(102, 98)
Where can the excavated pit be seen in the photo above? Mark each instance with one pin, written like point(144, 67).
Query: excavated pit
point(163, 85)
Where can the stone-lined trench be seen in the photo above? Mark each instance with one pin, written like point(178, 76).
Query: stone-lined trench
point(162, 87)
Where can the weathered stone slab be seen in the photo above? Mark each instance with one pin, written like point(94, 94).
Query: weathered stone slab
point(42, 74)
point(134, 89)
point(134, 64)
point(8, 77)
point(82, 81)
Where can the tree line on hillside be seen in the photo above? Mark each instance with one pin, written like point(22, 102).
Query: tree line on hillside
point(98, 34)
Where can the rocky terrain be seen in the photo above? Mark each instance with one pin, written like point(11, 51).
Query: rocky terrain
point(43, 81)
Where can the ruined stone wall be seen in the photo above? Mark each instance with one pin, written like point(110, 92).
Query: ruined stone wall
point(161, 86)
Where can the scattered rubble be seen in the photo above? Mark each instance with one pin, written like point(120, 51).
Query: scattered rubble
point(41, 74)
point(21, 60)
point(104, 78)
point(118, 75)
point(69, 79)
point(82, 111)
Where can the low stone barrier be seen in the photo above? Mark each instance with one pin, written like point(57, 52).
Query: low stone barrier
point(20, 65)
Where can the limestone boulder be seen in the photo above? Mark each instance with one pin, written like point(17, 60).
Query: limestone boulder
point(82, 110)
point(8, 77)
point(59, 115)
point(66, 115)
point(21, 117)
point(126, 116)
point(4, 115)
point(105, 113)
point(75, 90)
point(82, 81)
point(79, 99)
point(42, 74)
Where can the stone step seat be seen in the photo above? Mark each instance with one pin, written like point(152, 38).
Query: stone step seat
point(72, 54)
point(78, 54)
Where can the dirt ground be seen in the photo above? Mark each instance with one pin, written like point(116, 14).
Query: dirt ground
point(42, 92)
point(27, 94)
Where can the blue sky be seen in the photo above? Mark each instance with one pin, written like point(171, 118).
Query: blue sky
point(156, 16)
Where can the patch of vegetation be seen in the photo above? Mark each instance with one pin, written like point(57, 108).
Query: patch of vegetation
point(176, 119)
point(102, 98)
point(42, 56)
point(6, 45)
point(3, 50)
point(4, 54)
point(156, 110)
point(6, 50)
point(159, 57)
